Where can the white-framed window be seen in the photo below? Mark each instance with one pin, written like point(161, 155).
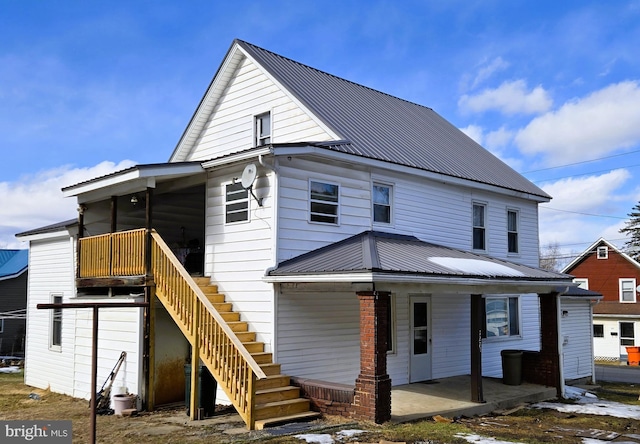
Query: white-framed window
point(236, 198)
point(582, 283)
point(603, 252)
point(391, 323)
point(627, 334)
point(382, 198)
point(324, 202)
point(55, 332)
point(513, 225)
point(502, 316)
point(598, 330)
point(479, 226)
point(627, 289)
point(263, 129)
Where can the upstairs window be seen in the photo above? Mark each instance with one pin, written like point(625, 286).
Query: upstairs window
point(324, 202)
point(56, 323)
point(263, 129)
point(512, 231)
point(479, 230)
point(627, 290)
point(502, 316)
point(236, 203)
point(381, 203)
point(603, 252)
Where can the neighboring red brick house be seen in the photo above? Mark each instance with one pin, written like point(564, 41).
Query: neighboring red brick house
point(616, 319)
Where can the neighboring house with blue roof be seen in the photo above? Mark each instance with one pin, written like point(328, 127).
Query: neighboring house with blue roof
point(13, 301)
point(307, 230)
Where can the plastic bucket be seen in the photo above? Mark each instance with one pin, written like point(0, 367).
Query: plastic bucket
point(123, 402)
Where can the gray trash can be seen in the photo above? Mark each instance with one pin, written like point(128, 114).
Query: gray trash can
point(511, 367)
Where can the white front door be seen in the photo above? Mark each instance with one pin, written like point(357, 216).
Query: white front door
point(420, 338)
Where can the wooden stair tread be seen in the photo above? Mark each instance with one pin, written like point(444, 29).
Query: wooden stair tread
point(270, 422)
point(276, 389)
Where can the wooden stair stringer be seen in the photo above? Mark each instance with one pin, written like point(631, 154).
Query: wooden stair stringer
point(277, 401)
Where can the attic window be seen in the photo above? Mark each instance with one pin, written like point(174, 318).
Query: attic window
point(263, 129)
point(603, 252)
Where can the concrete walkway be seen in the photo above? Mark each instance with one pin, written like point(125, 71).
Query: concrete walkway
point(450, 397)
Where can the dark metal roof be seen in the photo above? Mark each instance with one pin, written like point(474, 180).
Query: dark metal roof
point(58, 226)
point(581, 292)
point(378, 252)
point(383, 127)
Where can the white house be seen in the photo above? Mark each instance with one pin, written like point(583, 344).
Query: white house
point(347, 239)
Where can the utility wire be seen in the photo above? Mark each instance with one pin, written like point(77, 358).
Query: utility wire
point(583, 214)
point(582, 162)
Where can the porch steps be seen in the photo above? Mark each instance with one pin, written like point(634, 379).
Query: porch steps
point(277, 401)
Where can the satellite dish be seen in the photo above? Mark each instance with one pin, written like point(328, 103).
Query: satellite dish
point(249, 176)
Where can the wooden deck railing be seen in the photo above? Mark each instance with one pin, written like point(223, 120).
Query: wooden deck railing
point(225, 356)
point(113, 254)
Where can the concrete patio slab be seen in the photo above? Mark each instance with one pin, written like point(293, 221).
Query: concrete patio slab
point(451, 397)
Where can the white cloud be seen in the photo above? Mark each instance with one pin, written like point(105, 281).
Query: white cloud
point(574, 218)
point(601, 123)
point(475, 132)
point(35, 201)
point(587, 194)
point(509, 98)
point(495, 65)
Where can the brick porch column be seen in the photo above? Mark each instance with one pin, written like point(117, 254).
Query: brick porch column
point(372, 400)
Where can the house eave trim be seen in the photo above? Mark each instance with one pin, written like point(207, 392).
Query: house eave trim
point(239, 157)
point(456, 284)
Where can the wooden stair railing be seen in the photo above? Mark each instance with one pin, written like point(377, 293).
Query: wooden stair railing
point(219, 348)
point(252, 381)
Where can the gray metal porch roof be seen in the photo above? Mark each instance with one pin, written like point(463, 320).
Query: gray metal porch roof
point(386, 255)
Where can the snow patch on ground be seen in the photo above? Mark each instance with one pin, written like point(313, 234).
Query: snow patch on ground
point(589, 404)
point(324, 438)
point(477, 439)
point(10, 369)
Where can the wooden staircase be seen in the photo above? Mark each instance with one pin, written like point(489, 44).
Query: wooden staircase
point(276, 400)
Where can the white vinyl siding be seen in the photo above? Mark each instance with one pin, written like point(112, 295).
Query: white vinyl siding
point(319, 335)
point(432, 211)
point(51, 271)
point(576, 334)
point(119, 329)
point(231, 125)
point(237, 255)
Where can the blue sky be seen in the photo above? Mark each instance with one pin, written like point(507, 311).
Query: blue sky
point(552, 88)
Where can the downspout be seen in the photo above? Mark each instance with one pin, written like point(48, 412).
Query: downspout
point(274, 246)
point(560, 341)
